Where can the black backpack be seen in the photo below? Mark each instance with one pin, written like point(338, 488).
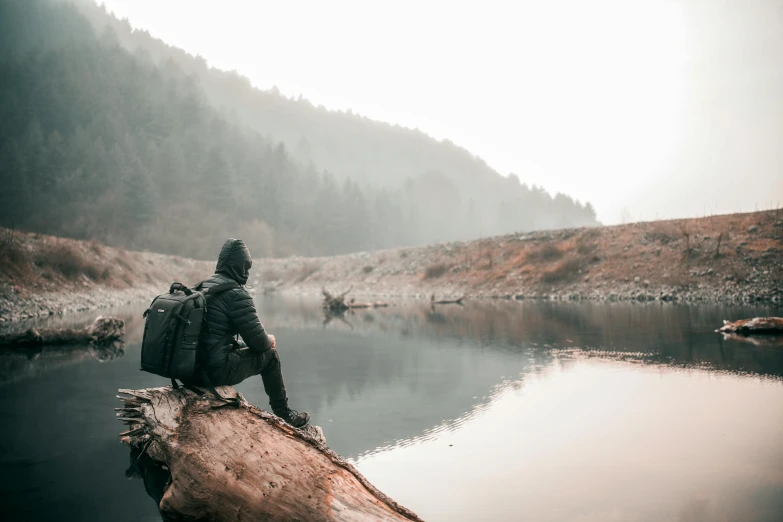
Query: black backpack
point(172, 332)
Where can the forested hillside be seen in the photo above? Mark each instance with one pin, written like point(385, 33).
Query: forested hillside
point(109, 134)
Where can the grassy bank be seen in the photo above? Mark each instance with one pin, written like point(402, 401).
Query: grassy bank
point(44, 275)
point(731, 257)
point(736, 257)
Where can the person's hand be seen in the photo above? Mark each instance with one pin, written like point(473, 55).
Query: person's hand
point(272, 340)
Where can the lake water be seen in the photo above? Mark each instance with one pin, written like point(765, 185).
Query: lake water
point(491, 411)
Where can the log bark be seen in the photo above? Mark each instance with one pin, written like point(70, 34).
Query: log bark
point(103, 331)
point(244, 463)
point(761, 325)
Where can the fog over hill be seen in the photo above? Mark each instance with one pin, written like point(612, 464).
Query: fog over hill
point(110, 134)
point(348, 145)
point(647, 109)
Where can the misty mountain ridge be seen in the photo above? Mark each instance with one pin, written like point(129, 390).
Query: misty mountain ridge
point(346, 144)
point(343, 142)
point(111, 134)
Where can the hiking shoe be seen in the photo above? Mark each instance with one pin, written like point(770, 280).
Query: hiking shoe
point(294, 418)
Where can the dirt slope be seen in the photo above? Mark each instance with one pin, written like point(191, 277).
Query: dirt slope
point(737, 257)
point(731, 257)
point(44, 275)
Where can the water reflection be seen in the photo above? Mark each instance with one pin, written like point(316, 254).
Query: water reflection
point(17, 365)
point(658, 332)
point(593, 440)
point(411, 370)
point(154, 476)
point(30, 362)
point(494, 410)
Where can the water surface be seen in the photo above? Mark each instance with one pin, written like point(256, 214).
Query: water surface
point(492, 411)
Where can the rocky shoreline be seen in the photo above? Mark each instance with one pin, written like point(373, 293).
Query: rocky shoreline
point(724, 259)
point(16, 306)
point(45, 276)
point(625, 292)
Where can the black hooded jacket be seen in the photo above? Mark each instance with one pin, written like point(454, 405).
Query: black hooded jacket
point(232, 311)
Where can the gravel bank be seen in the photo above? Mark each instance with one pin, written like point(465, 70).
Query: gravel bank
point(43, 276)
point(733, 258)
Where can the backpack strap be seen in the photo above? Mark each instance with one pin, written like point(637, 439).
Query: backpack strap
point(222, 287)
point(179, 286)
point(233, 401)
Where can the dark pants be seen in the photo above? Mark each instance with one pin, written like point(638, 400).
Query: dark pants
point(244, 363)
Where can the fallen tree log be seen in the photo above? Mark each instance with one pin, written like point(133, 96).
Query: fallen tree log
point(244, 463)
point(103, 331)
point(761, 325)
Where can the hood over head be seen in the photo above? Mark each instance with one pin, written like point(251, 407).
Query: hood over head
point(234, 261)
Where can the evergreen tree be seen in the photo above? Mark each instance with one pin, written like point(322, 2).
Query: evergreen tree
point(108, 133)
point(16, 193)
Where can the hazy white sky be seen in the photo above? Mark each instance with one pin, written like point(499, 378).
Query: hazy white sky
point(581, 97)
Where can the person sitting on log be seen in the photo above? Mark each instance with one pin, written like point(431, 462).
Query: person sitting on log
point(229, 361)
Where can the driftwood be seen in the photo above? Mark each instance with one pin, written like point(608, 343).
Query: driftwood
point(446, 301)
point(757, 325)
point(103, 331)
point(336, 304)
point(224, 463)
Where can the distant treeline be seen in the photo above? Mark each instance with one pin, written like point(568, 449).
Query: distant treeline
point(109, 134)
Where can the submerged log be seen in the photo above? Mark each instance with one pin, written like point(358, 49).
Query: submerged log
point(336, 304)
point(760, 325)
point(103, 331)
point(244, 463)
